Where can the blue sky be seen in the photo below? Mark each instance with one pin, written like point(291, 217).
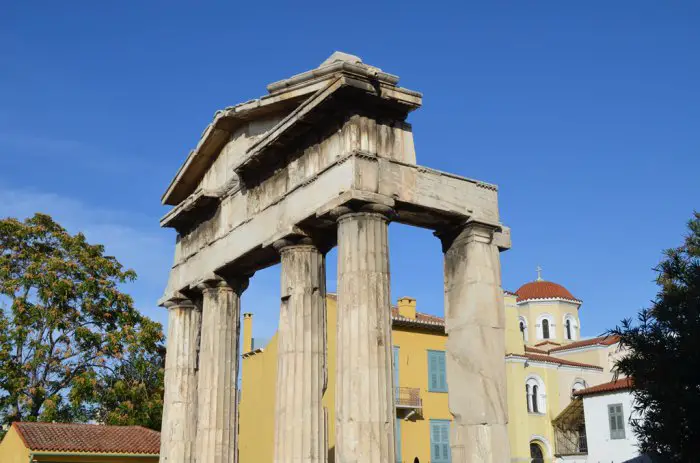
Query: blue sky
point(586, 114)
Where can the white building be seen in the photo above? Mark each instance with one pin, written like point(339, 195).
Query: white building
point(607, 409)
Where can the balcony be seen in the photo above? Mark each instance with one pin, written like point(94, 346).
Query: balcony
point(408, 397)
point(570, 430)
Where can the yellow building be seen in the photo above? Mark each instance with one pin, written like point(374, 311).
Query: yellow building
point(545, 362)
point(79, 443)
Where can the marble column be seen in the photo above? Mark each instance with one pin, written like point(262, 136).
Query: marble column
point(364, 398)
point(217, 428)
point(475, 325)
point(301, 355)
point(178, 429)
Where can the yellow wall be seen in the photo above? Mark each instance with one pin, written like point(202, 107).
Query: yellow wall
point(514, 338)
point(256, 432)
point(605, 356)
point(259, 371)
point(257, 405)
point(557, 309)
point(12, 449)
point(413, 372)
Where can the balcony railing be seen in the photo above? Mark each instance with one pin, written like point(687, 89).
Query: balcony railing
point(408, 397)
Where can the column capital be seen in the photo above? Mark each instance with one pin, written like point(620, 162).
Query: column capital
point(237, 284)
point(178, 301)
point(349, 210)
point(293, 241)
point(312, 239)
point(468, 232)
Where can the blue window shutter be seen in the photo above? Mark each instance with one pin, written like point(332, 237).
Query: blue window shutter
point(434, 442)
point(432, 372)
point(617, 421)
point(442, 371)
point(397, 431)
point(437, 374)
point(446, 441)
point(440, 441)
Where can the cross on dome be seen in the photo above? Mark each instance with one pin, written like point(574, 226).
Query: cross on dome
point(539, 273)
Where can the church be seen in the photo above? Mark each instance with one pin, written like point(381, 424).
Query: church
point(547, 361)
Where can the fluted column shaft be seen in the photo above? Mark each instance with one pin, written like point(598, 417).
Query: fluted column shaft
point(217, 428)
point(364, 382)
point(301, 360)
point(475, 324)
point(178, 429)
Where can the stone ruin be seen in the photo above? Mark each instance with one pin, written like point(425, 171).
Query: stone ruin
point(325, 159)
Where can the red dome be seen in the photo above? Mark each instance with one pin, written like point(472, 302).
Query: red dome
point(543, 290)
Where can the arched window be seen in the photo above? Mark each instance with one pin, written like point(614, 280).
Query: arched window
point(534, 389)
point(528, 398)
point(546, 327)
point(577, 386)
point(536, 453)
point(570, 326)
point(534, 399)
point(522, 324)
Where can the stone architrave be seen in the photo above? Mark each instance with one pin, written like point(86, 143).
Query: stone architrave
point(178, 430)
point(301, 355)
point(364, 397)
point(475, 325)
point(217, 429)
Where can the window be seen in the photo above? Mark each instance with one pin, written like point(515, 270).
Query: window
point(535, 408)
point(546, 327)
point(534, 389)
point(582, 441)
point(440, 441)
point(536, 453)
point(437, 373)
point(397, 433)
point(523, 328)
point(577, 386)
point(528, 398)
point(617, 421)
point(570, 326)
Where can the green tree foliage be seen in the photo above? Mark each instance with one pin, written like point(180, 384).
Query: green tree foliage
point(72, 345)
point(133, 392)
point(664, 357)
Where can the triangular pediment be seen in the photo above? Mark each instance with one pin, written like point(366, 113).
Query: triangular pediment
point(215, 136)
point(293, 102)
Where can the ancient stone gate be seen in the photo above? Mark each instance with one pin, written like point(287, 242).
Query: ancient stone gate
point(325, 159)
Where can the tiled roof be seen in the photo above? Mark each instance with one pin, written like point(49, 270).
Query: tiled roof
point(617, 385)
point(544, 343)
point(94, 438)
point(535, 350)
point(423, 321)
point(599, 341)
point(554, 360)
point(544, 290)
point(420, 317)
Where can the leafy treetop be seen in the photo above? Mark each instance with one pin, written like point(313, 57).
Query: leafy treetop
point(66, 328)
point(664, 357)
